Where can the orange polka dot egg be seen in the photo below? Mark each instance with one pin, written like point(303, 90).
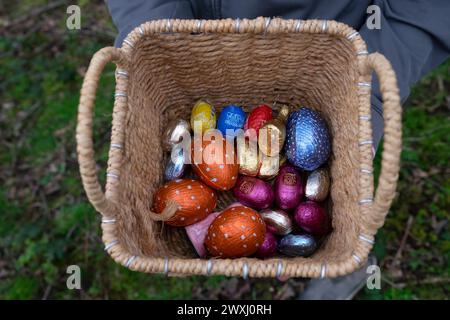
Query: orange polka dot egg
point(194, 199)
point(215, 163)
point(236, 232)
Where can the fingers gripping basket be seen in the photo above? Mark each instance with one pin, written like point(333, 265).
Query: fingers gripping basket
point(164, 67)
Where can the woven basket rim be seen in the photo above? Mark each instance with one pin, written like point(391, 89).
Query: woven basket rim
point(245, 266)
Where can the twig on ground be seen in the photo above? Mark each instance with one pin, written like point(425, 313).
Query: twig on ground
point(396, 261)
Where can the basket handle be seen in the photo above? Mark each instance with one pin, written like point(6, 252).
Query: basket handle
point(84, 137)
point(392, 114)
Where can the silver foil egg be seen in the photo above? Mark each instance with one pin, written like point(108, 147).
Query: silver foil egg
point(297, 245)
point(277, 221)
point(176, 165)
point(174, 133)
point(317, 185)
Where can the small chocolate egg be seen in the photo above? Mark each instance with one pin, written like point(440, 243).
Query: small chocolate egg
point(215, 163)
point(297, 245)
point(176, 164)
point(268, 248)
point(247, 154)
point(258, 117)
point(197, 231)
point(308, 143)
point(277, 221)
point(176, 131)
point(236, 232)
point(272, 135)
point(231, 118)
point(194, 199)
point(317, 185)
point(270, 166)
point(253, 192)
point(203, 116)
point(311, 217)
point(288, 188)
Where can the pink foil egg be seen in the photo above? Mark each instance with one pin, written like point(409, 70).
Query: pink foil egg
point(253, 192)
point(289, 188)
point(197, 231)
point(269, 246)
point(311, 217)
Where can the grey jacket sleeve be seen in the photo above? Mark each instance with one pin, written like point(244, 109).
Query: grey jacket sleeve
point(128, 14)
point(415, 37)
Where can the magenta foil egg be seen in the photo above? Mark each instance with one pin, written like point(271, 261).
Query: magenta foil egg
point(269, 246)
point(253, 192)
point(289, 188)
point(312, 217)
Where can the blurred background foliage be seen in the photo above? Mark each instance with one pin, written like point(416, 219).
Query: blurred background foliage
point(47, 224)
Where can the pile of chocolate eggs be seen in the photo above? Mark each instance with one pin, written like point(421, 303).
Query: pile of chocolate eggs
point(274, 164)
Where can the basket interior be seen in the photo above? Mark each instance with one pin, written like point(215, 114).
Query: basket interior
point(170, 72)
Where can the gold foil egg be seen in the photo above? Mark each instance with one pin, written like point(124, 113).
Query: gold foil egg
point(195, 201)
point(277, 221)
point(273, 134)
point(318, 184)
point(176, 131)
point(270, 166)
point(247, 153)
point(203, 116)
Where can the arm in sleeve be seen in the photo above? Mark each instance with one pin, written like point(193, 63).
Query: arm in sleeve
point(128, 14)
point(415, 37)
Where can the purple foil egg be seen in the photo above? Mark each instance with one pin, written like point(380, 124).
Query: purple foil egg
point(289, 188)
point(253, 192)
point(268, 247)
point(312, 218)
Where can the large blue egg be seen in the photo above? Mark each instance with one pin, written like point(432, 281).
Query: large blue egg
point(308, 143)
point(231, 118)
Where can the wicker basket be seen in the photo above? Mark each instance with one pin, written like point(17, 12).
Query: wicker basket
point(165, 66)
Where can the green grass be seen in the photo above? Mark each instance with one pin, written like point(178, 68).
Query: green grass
point(47, 223)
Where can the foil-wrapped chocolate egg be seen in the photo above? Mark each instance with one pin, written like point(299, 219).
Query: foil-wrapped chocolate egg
point(268, 248)
point(231, 118)
point(176, 164)
point(317, 184)
point(297, 245)
point(272, 135)
point(203, 116)
point(253, 192)
point(236, 232)
point(215, 163)
point(197, 231)
point(258, 117)
point(288, 188)
point(308, 143)
point(277, 221)
point(194, 199)
point(247, 154)
point(312, 217)
point(176, 130)
point(270, 166)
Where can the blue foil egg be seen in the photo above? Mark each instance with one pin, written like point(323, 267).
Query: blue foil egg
point(308, 143)
point(231, 118)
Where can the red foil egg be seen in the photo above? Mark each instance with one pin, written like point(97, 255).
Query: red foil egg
point(195, 201)
point(289, 188)
point(253, 192)
point(217, 165)
point(312, 217)
point(269, 246)
point(197, 231)
point(236, 232)
point(258, 117)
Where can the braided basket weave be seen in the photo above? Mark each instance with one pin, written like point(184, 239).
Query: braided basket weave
point(165, 66)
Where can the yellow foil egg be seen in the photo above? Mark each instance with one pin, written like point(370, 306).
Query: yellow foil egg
point(203, 116)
